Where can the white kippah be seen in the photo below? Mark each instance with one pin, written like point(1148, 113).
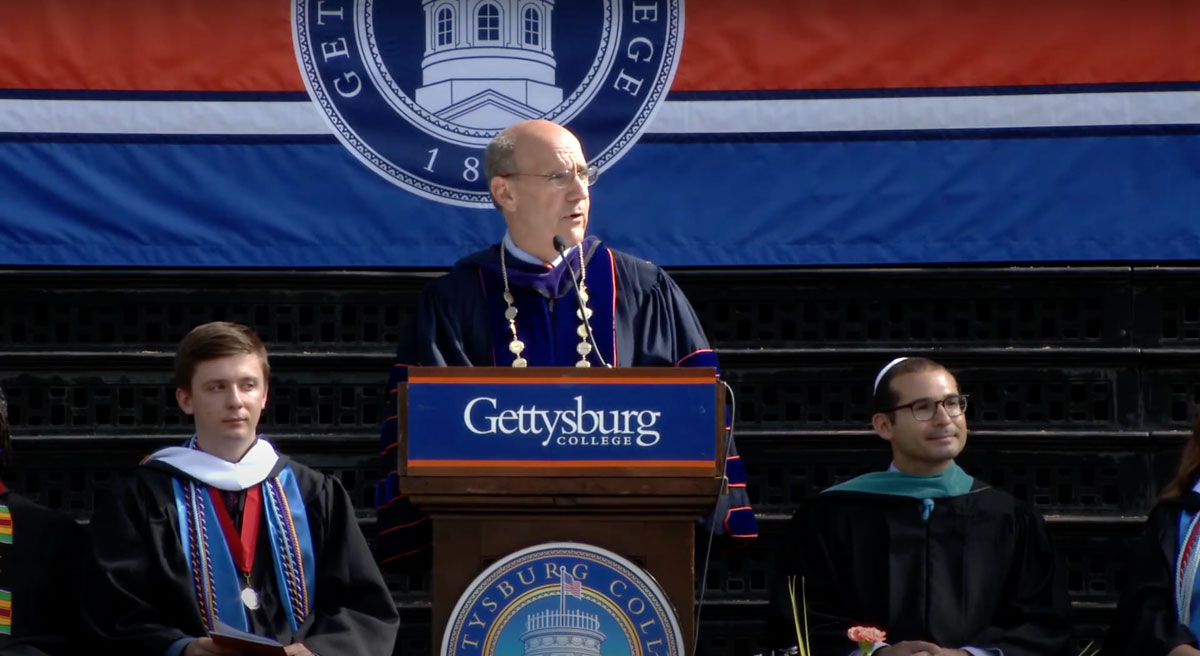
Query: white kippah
point(886, 368)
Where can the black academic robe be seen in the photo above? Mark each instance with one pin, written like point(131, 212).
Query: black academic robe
point(1145, 623)
point(140, 599)
point(640, 319)
point(41, 569)
point(980, 572)
point(460, 317)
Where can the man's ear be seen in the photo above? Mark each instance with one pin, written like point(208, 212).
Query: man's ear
point(502, 192)
point(184, 399)
point(882, 424)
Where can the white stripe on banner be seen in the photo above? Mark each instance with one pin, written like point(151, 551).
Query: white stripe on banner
point(165, 117)
point(930, 113)
point(169, 117)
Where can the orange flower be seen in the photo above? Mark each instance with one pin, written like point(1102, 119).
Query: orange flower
point(868, 634)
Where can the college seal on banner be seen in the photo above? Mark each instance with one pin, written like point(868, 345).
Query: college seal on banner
point(563, 598)
point(416, 89)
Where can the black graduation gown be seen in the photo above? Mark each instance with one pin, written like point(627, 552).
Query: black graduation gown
point(460, 317)
point(41, 569)
point(1145, 623)
point(141, 599)
point(640, 314)
point(980, 572)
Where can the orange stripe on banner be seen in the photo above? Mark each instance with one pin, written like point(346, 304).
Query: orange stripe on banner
point(546, 464)
point(246, 45)
point(148, 45)
point(834, 44)
point(560, 380)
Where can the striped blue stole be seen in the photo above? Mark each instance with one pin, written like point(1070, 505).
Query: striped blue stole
point(216, 581)
point(1187, 603)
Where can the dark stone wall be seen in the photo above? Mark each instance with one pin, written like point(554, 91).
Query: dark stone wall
point(1083, 384)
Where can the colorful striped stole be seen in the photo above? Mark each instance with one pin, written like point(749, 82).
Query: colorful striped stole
point(210, 565)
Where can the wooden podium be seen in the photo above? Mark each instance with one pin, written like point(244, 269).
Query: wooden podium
point(485, 508)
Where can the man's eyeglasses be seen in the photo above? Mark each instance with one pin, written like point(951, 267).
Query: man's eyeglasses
point(924, 409)
point(563, 179)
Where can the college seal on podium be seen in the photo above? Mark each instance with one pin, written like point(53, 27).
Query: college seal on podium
point(563, 598)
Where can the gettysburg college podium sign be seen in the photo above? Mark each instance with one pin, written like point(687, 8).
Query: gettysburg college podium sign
point(504, 459)
point(646, 421)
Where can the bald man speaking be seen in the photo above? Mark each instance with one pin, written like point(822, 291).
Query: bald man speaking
point(550, 294)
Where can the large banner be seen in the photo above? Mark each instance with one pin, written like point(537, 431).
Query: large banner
point(349, 133)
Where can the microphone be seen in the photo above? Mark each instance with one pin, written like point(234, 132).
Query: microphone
point(560, 245)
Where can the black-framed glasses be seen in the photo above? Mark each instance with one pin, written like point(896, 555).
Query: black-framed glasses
point(924, 409)
point(562, 179)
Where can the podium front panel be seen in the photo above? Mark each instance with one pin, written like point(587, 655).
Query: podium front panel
point(561, 422)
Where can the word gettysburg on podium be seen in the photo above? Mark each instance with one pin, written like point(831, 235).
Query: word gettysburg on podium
point(557, 421)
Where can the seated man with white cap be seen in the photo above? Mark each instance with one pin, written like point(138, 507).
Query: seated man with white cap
point(940, 561)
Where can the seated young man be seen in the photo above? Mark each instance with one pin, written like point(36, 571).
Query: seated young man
point(942, 562)
point(39, 554)
point(225, 529)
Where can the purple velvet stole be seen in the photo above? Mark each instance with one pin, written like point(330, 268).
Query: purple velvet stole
point(547, 306)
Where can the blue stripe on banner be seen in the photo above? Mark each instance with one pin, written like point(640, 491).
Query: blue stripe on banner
point(732, 203)
point(220, 205)
point(889, 202)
